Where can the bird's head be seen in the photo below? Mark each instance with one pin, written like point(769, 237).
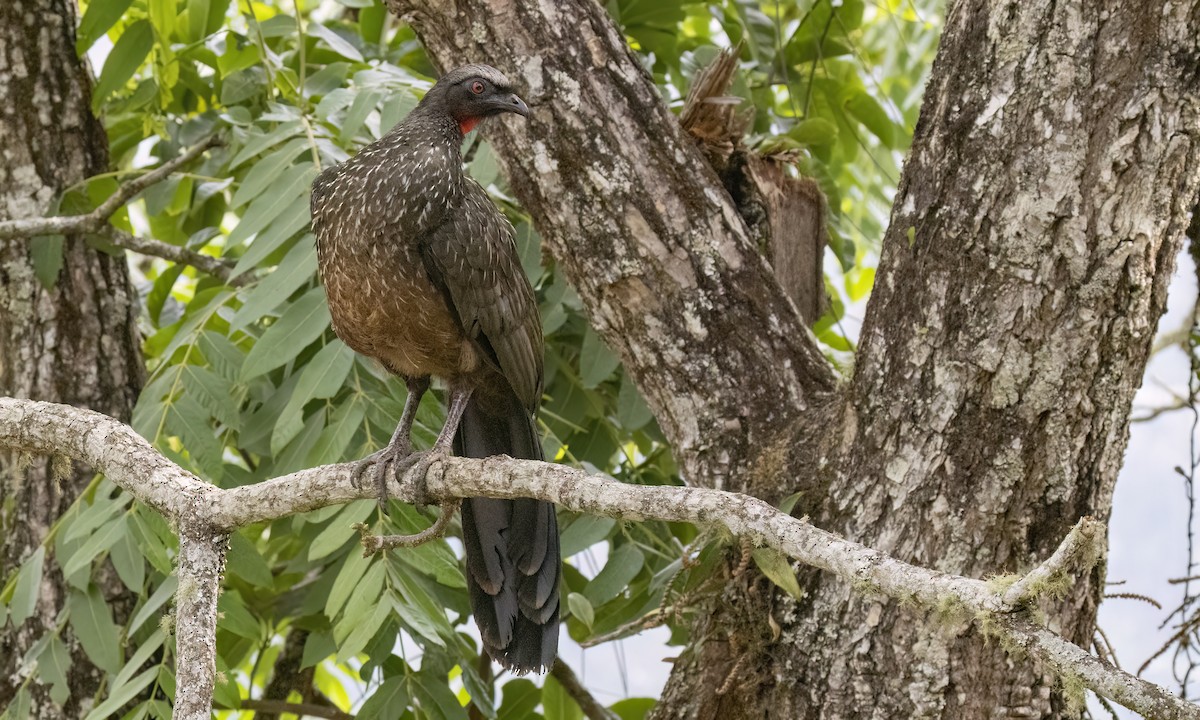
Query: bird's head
point(474, 92)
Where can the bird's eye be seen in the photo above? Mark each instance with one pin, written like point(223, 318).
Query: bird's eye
point(477, 87)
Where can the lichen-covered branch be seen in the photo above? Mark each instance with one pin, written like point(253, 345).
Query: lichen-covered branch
point(66, 224)
point(206, 513)
point(201, 563)
point(97, 221)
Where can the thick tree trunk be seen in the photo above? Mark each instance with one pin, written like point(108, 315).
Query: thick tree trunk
point(76, 343)
point(1022, 277)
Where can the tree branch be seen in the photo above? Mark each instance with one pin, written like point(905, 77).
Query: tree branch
point(217, 267)
point(97, 221)
point(206, 513)
point(93, 221)
point(1082, 546)
point(201, 564)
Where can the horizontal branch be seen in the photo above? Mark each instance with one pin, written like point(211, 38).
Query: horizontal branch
point(93, 221)
point(114, 449)
point(96, 221)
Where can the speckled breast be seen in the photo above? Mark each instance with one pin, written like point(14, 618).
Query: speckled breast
point(383, 305)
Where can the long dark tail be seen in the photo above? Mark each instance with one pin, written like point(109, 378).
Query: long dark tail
point(513, 559)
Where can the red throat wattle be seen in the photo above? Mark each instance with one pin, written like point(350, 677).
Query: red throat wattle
point(467, 124)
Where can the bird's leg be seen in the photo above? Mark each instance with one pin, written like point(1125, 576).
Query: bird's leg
point(418, 463)
point(399, 447)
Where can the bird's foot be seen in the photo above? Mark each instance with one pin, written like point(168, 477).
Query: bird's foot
point(417, 465)
point(379, 463)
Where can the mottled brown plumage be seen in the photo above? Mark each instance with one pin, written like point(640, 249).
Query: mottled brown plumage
point(422, 273)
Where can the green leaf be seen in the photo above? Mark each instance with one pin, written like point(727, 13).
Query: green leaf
point(581, 608)
point(360, 109)
point(334, 41)
point(622, 567)
point(100, 542)
point(340, 528)
point(353, 568)
point(266, 171)
point(187, 419)
point(123, 61)
point(388, 702)
point(584, 532)
point(319, 646)
point(93, 626)
point(156, 601)
point(297, 268)
point(363, 631)
point(221, 354)
point(303, 322)
point(236, 618)
point(119, 697)
point(814, 131)
point(139, 658)
point(100, 16)
point(870, 113)
point(214, 392)
point(243, 85)
point(520, 698)
point(779, 570)
point(292, 184)
point(436, 699)
point(484, 167)
point(29, 583)
point(163, 284)
point(596, 361)
point(557, 704)
point(293, 219)
point(47, 255)
point(632, 411)
point(322, 377)
point(633, 708)
point(419, 610)
point(53, 664)
point(362, 601)
point(259, 142)
point(197, 19)
point(331, 446)
point(246, 562)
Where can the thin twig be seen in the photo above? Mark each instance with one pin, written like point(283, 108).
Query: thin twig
point(217, 267)
point(378, 543)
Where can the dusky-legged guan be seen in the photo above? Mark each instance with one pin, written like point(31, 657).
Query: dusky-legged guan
point(422, 274)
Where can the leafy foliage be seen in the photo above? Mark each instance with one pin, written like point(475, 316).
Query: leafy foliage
point(248, 382)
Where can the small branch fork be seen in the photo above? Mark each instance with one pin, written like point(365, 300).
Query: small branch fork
point(206, 514)
point(97, 221)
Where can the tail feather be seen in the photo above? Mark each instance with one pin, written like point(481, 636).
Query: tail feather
point(513, 559)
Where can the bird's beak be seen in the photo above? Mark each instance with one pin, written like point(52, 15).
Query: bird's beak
point(515, 104)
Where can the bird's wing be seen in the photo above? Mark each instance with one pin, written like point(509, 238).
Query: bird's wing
point(473, 257)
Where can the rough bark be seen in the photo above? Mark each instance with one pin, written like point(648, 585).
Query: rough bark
point(1023, 274)
point(205, 515)
point(1022, 277)
point(643, 228)
point(76, 343)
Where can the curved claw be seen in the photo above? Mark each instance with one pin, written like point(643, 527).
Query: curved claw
point(381, 461)
point(418, 464)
